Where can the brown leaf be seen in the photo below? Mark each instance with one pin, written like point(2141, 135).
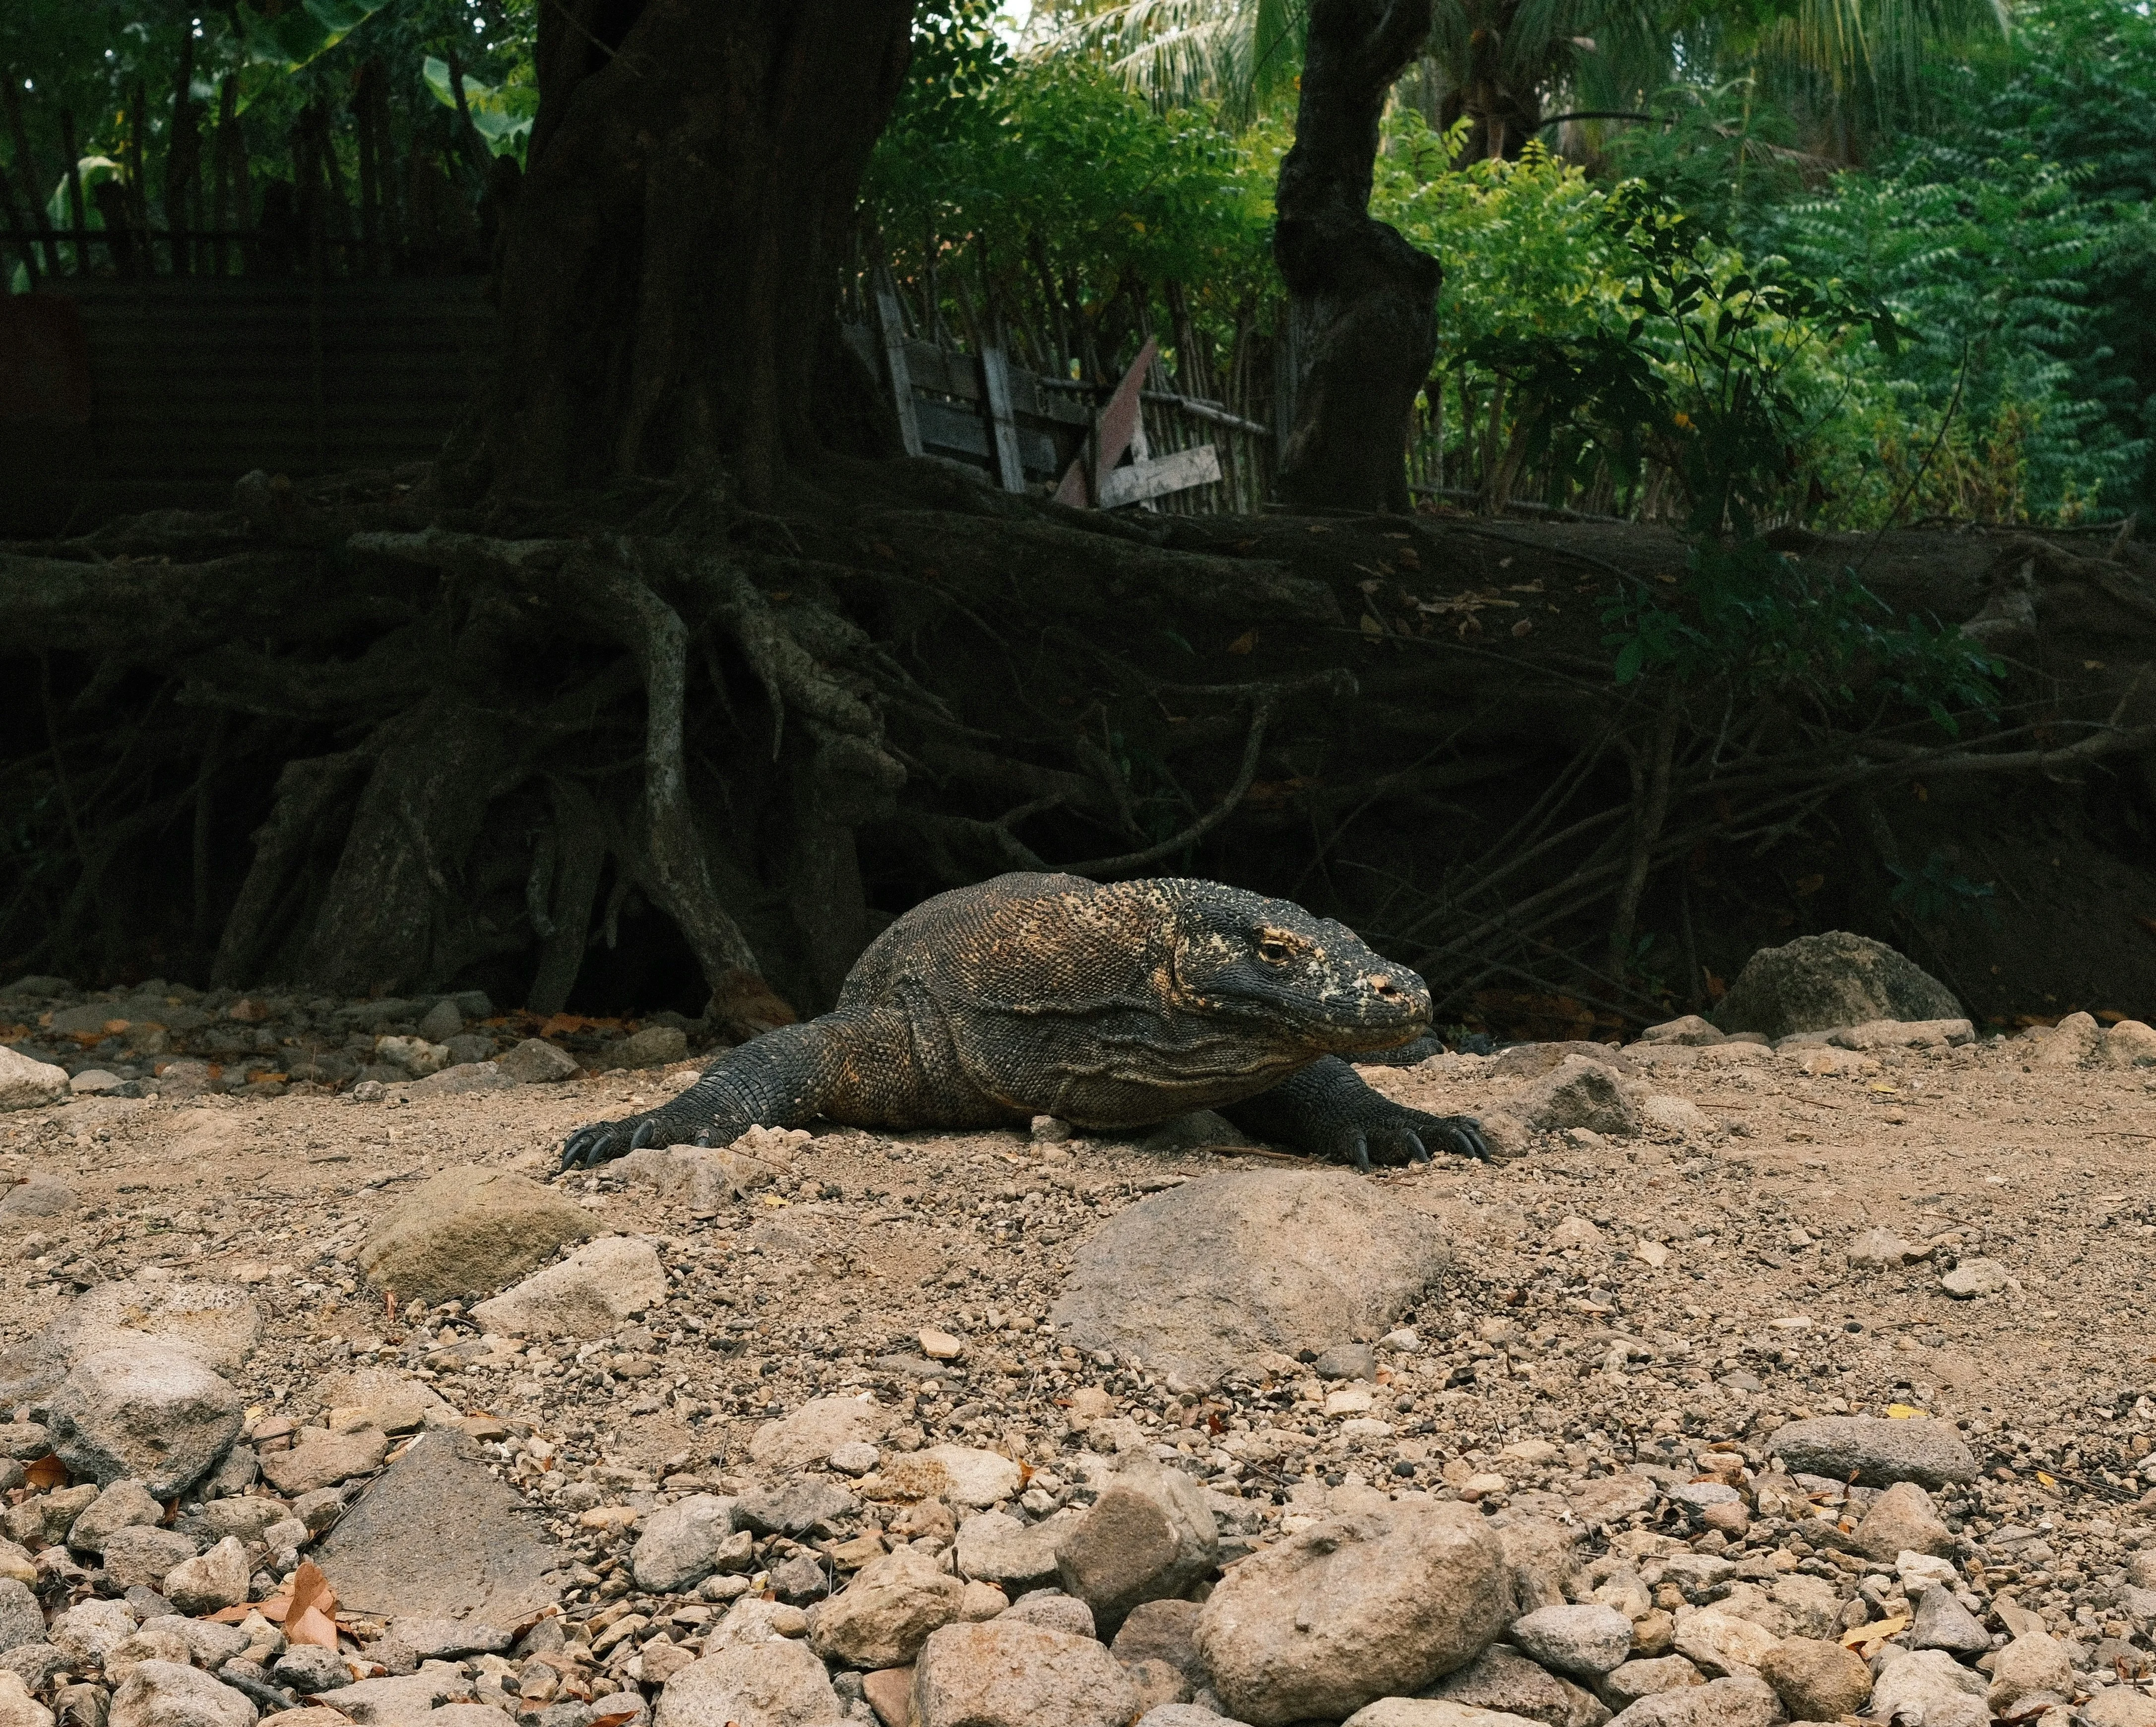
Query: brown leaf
point(48, 1471)
point(1243, 643)
point(311, 1618)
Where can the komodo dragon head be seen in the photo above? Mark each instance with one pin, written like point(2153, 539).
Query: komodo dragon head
point(1305, 979)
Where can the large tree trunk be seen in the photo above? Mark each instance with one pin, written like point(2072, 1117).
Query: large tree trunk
point(669, 262)
point(1363, 300)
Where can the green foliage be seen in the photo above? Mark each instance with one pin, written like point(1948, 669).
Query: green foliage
point(1991, 263)
point(501, 114)
point(978, 179)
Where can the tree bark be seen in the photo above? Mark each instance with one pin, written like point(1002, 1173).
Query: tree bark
point(668, 264)
point(1363, 300)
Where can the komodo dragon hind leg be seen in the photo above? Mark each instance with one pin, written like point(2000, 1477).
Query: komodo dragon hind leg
point(1326, 1109)
point(775, 1080)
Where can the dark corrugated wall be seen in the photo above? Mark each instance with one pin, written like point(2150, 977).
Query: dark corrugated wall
point(194, 381)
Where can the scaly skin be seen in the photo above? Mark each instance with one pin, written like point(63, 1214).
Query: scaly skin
point(1113, 1005)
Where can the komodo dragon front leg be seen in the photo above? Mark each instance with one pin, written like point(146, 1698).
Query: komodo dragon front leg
point(1326, 1110)
point(856, 1064)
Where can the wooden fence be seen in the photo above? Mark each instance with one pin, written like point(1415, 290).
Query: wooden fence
point(1186, 456)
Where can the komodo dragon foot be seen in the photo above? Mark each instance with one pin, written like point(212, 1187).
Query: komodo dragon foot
point(1327, 1110)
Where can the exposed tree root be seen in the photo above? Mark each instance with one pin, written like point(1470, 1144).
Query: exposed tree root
point(353, 740)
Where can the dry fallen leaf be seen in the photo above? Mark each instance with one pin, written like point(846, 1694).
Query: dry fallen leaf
point(311, 1618)
point(48, 1472)
point(1243, 643)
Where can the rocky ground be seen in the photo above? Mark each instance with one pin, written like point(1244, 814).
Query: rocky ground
point(1804, 1380)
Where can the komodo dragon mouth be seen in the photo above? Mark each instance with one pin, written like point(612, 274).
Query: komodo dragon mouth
point(1118, 1004)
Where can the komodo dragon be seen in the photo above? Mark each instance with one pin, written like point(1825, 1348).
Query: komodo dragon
point(1113, 1005)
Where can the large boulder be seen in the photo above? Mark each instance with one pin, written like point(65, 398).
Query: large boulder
point(1008, 1673)
point(1379, 1603)
point(1197, 1279)
point(469, 1232)
point(588, 1295)
point(147, 1411)
point(1818, 983)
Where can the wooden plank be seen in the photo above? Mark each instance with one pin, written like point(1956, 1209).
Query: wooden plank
point(901, 382)
point(951, 430)
point(1119, 421)
point(995, 385)
point(1157, 476)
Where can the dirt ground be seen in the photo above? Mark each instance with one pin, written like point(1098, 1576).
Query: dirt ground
point(1715, 1270)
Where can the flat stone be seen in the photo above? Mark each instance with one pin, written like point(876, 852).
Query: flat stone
point(994, 1547)
point(817, 1429)
point(1686, 1029)
point(323, 1459)
point(377, 1397)
point(1431, 1712)
point(795, 1508)
point(1720, 1644)
point(1503, 1679)
point(1625, 1686)
point(37, 1198)
point(2120, 1706)
point(958, 1474)
point(1059, 1612)
point(165, 1693)
point(444, 1639)
point(1973, 1278)
point(1354, 1608)
point(535, 1061)
point(1929, 1689)
point(467, 1232)
point(437, 1534)
point(1877, 1453)
point(1740, 1701)
point(1198, 1279)
point(590, 1293)
point(1877, 1249)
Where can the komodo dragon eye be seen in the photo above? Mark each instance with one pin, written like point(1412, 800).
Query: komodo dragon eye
point(1275, 948)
